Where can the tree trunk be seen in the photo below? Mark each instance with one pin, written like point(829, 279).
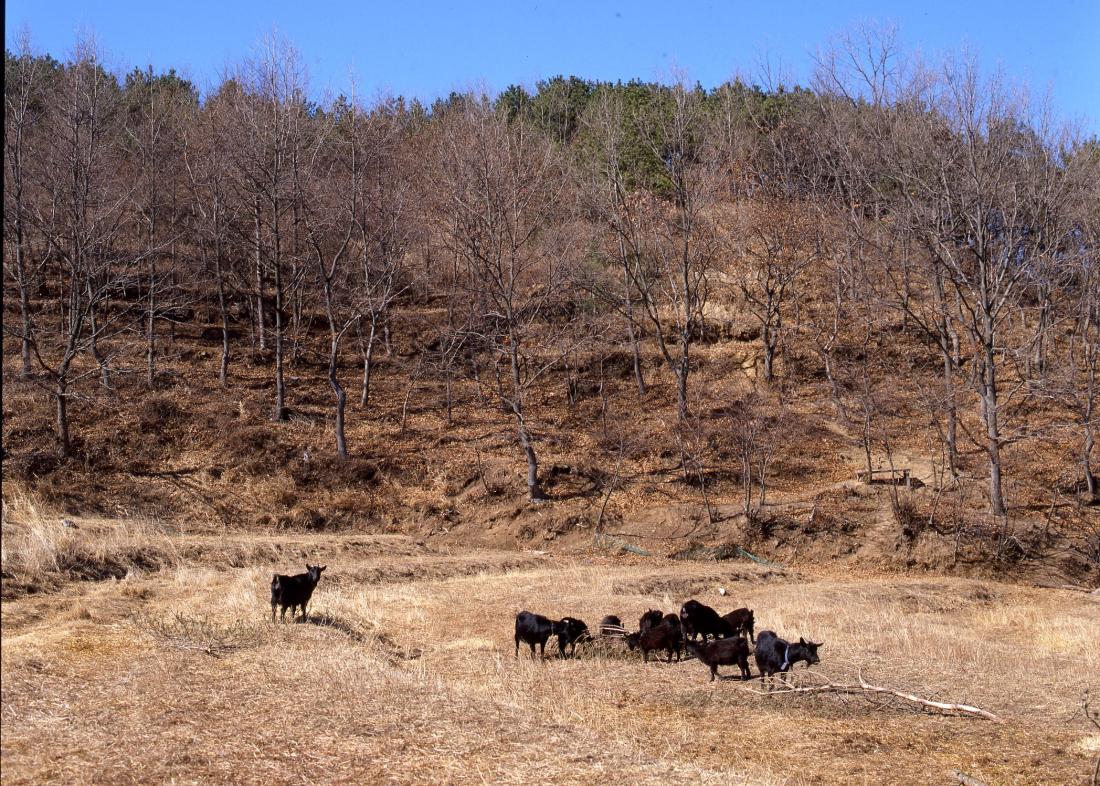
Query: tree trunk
point(450, 401)
point(534, 489)
point(259, 316)
point(1090, 439)
point(993, 436)
point(64, 443)
point(952, 414)
point(1090, 478)
point(769, 353)
point(683, 369)
point(341, 397)
point(631, 327)
point(1040, 356)
point(151, 333)
point(746, 479)
point(636, 354)
point(867, 443)
point(223, 310)
point(24, 295)
point(280, 383)
point(949, 346)
point(93, 342)
point(368, 359)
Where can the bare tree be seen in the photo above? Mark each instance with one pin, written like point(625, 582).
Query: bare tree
point(501, 190)
point(970, 178)
point(156, 104)
point(25, 80)
point(212, 209)
point(607, 195)
point(778, 242)
point(383, 224)
point(270, 115)
point(83, 216)
point(754, 421)
point(327, 193)
point(672, 277)
point(1078, 384)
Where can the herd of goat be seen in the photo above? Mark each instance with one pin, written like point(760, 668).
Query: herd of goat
point(730, 634)
point(730, 637)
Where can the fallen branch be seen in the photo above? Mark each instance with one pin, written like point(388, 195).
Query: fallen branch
point(866, 688)
point(939, 705)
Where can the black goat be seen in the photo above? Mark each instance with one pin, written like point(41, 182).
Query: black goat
point(294, 591)
point(535, 629)
point(776, 655)
point(665, 636)
point(699, 619)
point(570, 633)
point(722, 652)
point(741, 621)
point(611, 626)
point(651, 619)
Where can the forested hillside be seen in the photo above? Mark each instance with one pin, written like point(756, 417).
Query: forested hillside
point(856, 320)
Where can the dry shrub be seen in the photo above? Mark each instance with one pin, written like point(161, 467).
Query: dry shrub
point(759, 525)
point(41, 550)
point(306, 517)
point(183, 632)
point(284, 498)
point(157, 413)
point(908, 517)
point(30, 465)
point(298, 517)
point(695, 583)
point(328, 470)
point(352, 502)
point(256, 449)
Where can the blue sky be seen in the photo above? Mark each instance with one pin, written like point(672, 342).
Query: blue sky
point(426, 49)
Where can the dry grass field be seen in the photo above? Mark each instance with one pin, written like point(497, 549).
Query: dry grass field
point(405, 671)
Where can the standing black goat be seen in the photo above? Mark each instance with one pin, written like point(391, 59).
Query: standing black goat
point(535, 629)
point(722, 652)
point(741, 621)
point(699, 619)
point(775, 655)
point(294, 591)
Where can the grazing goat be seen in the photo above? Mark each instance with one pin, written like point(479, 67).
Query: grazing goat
point(698, 619)
point(775, 655)
point(535, 629)
point(571, 632)
point(722, 652)
point(651, 619)
point(611, 626)
point(294, 591)
point(665, 636)
point(741, 621)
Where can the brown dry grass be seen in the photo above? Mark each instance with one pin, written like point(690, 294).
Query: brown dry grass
point(407, 676)
point(41, 549)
